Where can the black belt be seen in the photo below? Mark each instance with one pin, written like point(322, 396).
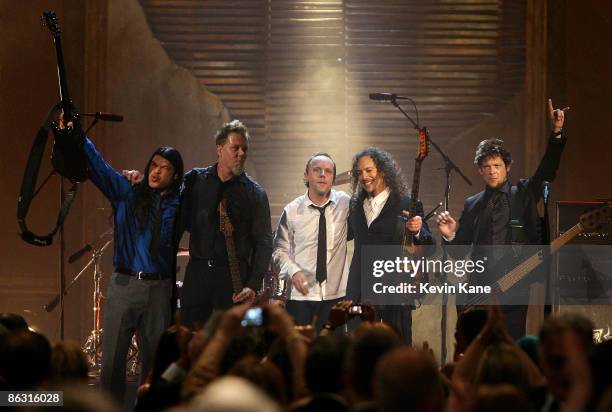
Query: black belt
point(142, 275)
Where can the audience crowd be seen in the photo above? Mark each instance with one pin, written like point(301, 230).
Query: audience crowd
point(225, 366)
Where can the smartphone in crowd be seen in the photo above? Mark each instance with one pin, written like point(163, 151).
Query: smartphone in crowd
point(253, 317)
point(355, 310)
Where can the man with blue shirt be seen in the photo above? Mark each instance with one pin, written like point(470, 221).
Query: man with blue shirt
point(139, 293)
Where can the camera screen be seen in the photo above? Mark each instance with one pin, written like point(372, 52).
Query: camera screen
point(253, 317)
point(355, 310)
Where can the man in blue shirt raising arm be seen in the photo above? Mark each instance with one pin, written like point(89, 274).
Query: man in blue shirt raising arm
point(139, 293)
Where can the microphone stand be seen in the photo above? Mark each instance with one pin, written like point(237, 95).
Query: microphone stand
point(546, 241)
point(60, 296)
point(449, 166)
point(62, 267)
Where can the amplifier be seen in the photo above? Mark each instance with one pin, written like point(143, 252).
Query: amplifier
point(583, 277)
point(568, 214)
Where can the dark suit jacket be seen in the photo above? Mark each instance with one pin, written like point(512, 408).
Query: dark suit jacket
point(529, 192)
point(386, 229)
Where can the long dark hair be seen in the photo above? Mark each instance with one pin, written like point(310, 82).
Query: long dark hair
point(384, 163)
point(143, 192)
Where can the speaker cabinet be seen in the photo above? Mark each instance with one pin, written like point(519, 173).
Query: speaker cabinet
point(584, 277)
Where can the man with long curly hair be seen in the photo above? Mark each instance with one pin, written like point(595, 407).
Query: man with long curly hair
point(379, 197)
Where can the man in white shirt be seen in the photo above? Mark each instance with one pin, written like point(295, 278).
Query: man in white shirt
point(310, 244)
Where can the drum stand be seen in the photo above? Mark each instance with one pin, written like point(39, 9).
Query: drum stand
point(92, 346)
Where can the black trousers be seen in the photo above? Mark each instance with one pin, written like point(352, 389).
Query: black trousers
point(205, 288)
point(305, 311)
point(515, 319)
point(132, 306)
point(399, 317)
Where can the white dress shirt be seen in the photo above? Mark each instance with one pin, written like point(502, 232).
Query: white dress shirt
point(296, 242)
point(372, 206)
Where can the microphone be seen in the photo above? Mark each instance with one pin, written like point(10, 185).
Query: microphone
point(106, 116)
point(76, 255)
point(52, 303)
point(386, 97)
point(546, 191)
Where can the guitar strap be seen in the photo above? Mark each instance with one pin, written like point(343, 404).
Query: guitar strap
point(26, 194)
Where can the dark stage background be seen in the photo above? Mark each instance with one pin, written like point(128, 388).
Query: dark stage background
point(298, 73)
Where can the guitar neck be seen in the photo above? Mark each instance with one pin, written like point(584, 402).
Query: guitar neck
point(566, 237)
point(226, 227)
point(414, 197)
point(234, 266)
point(416, 178)
point(63, 81)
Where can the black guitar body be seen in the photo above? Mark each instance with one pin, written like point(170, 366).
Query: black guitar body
point(67, 156)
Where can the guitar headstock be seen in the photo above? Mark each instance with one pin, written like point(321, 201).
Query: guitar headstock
point(49, 19)
point(423, 147)
point(595, 219)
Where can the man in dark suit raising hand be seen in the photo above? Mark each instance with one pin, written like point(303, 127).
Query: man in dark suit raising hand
point(504, 213)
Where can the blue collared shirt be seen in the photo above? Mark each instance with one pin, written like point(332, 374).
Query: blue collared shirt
point(131, 242)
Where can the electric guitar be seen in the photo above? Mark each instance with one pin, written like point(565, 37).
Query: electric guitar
point(226, 227)
point(408, 246)
point(67, 156)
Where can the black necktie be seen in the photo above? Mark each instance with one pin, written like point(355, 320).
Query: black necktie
point(322, 244)
point(491, 227)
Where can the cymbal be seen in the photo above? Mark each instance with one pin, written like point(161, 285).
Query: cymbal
point(343, 178)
